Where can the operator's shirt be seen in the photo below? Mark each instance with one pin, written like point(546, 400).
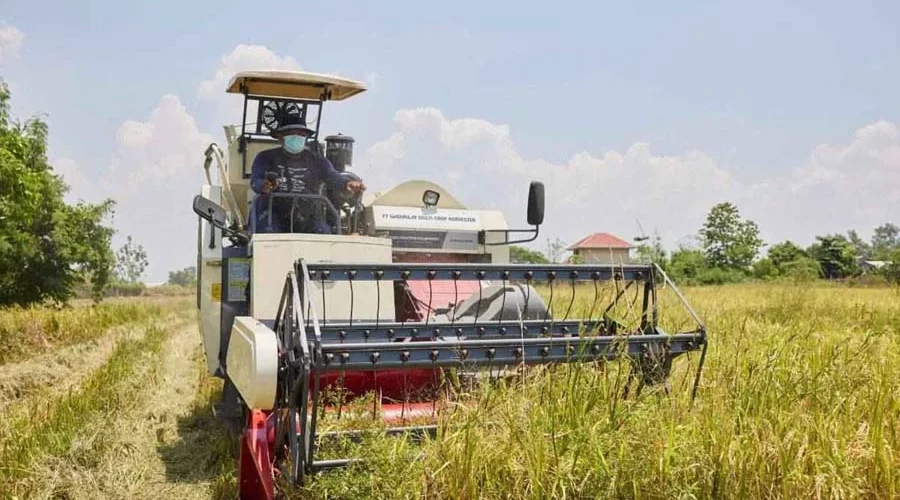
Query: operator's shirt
point(299, 174)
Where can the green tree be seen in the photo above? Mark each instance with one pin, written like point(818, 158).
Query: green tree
point(764, 269)
point(686, 265)
point(892, 270)
point(787, 251)
point(885, 240)
point(652, 252)
point(47, 247)
point(729, 242)
point(801, 269)
point(836, 256)
point(131, 260)
point(188, 276)
point(522, 255)
point(863, 249)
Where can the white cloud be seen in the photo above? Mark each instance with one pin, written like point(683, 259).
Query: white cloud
point(870, 160)
point(241, 58)
point(157, 168)
point(244, 58)
point(479, 163)
point(839, 188)
point(161, 149)
point(10, 42)
point(153, 177)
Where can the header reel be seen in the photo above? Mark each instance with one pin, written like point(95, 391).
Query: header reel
point(397, 360)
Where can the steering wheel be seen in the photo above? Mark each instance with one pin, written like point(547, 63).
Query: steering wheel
point(297, 198)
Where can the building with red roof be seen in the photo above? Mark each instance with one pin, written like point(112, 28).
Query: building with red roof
point(602, 248)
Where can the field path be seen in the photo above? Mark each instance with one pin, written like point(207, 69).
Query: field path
point(157, 451)
point(63, 369)
point(143, 470)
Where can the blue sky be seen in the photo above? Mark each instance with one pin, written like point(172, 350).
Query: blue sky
point(741, 95)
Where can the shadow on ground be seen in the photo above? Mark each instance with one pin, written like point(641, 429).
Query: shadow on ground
point(204, 451)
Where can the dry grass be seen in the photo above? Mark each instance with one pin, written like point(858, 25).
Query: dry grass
point(149, 451)
point(70, 429)
point(28, 331)
point(204, 452)
point(49, 437)
point(800, 398)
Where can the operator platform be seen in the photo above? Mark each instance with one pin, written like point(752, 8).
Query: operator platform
point(293, 168)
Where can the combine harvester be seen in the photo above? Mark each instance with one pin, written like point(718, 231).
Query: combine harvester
point(411, 286)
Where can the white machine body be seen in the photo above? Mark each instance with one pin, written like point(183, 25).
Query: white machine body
point(240, 288)
point(253, 362)
point(274, 256)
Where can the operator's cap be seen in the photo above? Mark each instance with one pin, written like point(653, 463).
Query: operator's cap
point(290, 122)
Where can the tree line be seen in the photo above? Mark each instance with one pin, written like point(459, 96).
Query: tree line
point(730, 251)
point(51, 250)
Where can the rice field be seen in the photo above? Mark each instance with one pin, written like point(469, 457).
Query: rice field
point(800, 398)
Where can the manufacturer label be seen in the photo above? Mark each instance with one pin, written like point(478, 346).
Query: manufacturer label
point(426, 219)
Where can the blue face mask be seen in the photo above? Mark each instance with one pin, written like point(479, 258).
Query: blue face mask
point(294, 143)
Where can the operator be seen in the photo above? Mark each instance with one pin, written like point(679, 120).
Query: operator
point(293, 168)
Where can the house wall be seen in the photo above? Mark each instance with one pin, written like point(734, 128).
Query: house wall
point(605, 255)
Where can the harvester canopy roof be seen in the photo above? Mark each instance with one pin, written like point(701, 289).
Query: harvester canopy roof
point(294, 84)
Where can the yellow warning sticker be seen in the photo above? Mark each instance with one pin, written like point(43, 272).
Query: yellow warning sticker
point(216, 292)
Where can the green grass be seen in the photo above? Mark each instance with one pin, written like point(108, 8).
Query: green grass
point(800, 398)
point(72, 425)
point(29, 331)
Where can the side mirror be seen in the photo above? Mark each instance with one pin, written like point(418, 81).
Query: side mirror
point(211, 212)
point(536, 203)
point(216, 215)
point(535, 218)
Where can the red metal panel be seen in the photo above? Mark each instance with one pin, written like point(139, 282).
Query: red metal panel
point(431, 295)
point(394, 385)
point(404, 413)
point(440, 294)
point(256, 479)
